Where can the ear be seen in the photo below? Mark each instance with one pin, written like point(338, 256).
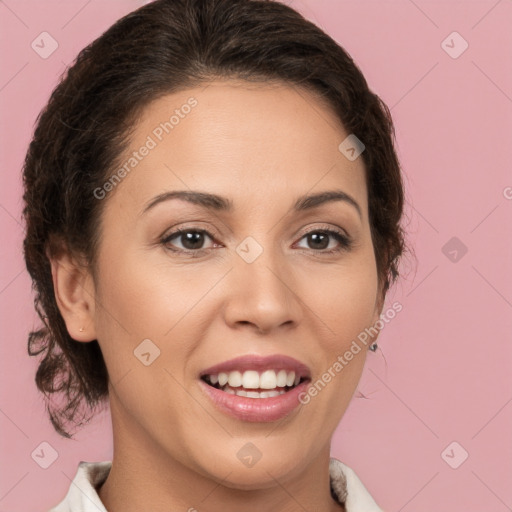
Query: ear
point(74, 293)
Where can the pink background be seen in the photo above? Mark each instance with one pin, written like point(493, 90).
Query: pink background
point(443, 371)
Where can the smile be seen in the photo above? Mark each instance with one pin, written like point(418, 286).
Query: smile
point(254, 388)
point(254, 384)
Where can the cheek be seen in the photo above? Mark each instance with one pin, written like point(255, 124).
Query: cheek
point(132, 306)
point(345, 306)
point(141, 298)
point(344, 300)
point(138, 303)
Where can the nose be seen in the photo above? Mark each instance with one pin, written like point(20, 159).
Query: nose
point(263, 294)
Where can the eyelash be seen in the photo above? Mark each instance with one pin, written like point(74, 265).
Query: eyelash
point(344, 240)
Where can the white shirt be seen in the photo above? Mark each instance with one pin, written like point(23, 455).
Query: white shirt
point(82, 496)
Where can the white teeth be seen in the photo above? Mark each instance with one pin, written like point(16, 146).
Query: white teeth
point(268, 379)
point(235, 379)
point(281, 379)
point(254, 394)
point(251, 379)
point(290, 379)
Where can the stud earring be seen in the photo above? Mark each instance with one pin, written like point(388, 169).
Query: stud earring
point(373, 346)
point(81, 329)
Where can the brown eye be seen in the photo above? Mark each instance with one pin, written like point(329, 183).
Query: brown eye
point(319, 240)
point(190, 239)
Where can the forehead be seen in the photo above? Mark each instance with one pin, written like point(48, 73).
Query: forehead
point(252, 142)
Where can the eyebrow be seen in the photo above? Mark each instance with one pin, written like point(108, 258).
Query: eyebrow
point(219, 203)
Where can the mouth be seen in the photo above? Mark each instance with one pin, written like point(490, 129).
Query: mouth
point(255, 388)
point(254, 384)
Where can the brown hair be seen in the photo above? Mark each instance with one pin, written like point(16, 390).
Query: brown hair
point(164, 47)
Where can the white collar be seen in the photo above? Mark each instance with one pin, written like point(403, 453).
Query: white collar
point(346, 488)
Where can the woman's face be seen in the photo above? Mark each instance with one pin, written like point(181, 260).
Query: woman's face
point(242, 280)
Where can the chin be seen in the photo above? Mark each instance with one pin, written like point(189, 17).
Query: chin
point(246, 467)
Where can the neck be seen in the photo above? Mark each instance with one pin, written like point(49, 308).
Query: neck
point(145, 477)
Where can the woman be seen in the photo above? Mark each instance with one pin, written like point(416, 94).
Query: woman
point(213, 205)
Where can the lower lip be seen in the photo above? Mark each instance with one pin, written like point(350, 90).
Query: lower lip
point(255, 409)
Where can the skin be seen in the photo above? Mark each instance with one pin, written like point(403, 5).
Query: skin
point(261, 146)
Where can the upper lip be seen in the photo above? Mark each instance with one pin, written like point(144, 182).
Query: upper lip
point(259, 363)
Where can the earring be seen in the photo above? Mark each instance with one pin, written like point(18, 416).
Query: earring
point(373, 346)
point(81, 329)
